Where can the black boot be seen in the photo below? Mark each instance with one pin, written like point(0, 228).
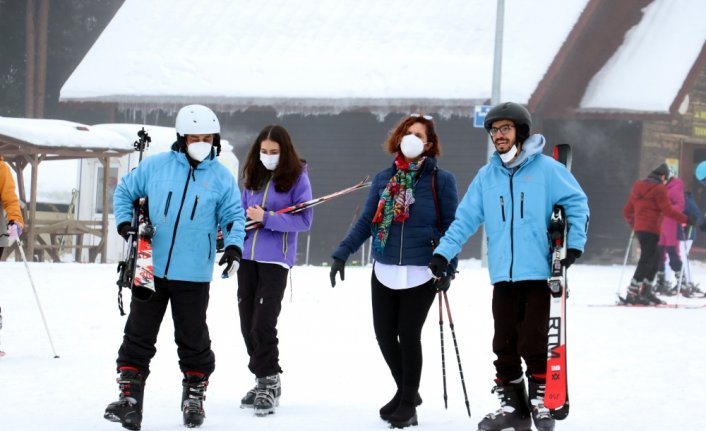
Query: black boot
point(128, 409)
point(541, 416)
point(267, 395)
point(648, 293)
point(513, 412)
point(193, 395)
point(633, 296)
point(388, 409)
point(405, 414)
point(248, 400)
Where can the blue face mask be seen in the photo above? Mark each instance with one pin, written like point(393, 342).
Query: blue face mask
point(270, 161)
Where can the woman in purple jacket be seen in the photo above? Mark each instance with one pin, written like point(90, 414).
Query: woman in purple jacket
point(274, 177)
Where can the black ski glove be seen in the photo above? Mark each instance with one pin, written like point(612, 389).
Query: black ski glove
point(571, 255)
point(442, 284)
point(231, 257)
point(438, 265)
point(125, 229)
point(338, 266)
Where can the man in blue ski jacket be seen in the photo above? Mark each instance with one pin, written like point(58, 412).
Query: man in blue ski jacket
point(513, 195)
point(189, 195)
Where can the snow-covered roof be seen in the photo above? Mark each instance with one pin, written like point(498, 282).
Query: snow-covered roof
point(649, 69)
point(319, 55)
point(61, 134)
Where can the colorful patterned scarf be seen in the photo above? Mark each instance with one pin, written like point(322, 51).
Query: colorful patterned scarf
point(395, 200)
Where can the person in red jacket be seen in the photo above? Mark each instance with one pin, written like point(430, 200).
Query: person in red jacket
point(647, 205)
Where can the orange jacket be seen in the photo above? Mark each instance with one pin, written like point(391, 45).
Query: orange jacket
point(10, 202)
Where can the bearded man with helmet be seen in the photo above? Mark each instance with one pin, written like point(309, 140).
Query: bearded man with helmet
point(189, 194)
point(513, 196)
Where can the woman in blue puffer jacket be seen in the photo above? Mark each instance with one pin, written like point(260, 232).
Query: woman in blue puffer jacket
point(275, 177)
point(409, 206)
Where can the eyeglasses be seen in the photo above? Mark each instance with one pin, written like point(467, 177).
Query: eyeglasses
point(426, 117)
point(502, 129)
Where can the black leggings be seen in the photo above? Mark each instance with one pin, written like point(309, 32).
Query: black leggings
point(398, 319)
point(649, 256)
point(521, 318)
point(260, 291)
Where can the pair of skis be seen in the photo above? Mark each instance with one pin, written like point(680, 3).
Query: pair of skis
point(293, 209)
point(136, 271)
point(556, 395)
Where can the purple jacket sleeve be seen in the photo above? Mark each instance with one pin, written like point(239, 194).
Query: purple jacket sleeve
point(299, 222)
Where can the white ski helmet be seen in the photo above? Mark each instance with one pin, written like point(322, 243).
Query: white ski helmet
point(196, 120)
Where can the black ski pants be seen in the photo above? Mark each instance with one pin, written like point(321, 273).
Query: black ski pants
point(521, 319)
point(189, 302)
point(649, 256)
point(398, 319)
point(260, 291)
point(675, 261)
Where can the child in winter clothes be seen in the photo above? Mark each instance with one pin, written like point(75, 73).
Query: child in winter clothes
point(275, 177)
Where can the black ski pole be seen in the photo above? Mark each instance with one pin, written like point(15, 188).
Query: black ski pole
point(443, 357)
point(458, 356)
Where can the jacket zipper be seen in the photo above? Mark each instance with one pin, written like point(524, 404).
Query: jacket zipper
point(176, 222)
point(522, 205)
point(502, 207)
point(210, 246)
point(257, 231)
point(512, 227)
point(193, 210)
point(166, 206)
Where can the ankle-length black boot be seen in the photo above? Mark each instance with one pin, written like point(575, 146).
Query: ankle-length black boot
point(128, 409)
point(388, 409)
point(406, 413)
point(193, 395)
point(541, 416)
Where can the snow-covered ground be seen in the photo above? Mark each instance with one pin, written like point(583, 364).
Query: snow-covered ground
point(629, 369)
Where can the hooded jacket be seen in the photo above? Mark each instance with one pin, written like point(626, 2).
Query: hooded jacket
point(276, 241)
point(515, 204)
point(186, 206)
point(10, 203)
point(647, 204)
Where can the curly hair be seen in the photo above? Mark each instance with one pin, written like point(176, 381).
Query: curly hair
point(392, 144)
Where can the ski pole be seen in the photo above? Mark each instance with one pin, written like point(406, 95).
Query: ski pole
point(458, 356)
point(36, 297)
point(443, 356)
point(625, 263)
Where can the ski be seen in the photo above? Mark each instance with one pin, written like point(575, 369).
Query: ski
point(556, 397)
point(293, 209)
point(1, 352)
point(136, 270)
point(685, 306)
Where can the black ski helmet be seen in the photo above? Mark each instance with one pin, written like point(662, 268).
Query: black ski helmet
point(514, 112)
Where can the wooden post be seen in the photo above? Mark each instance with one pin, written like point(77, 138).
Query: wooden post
point(30, 58)
point(41, 70)
point(104, 220)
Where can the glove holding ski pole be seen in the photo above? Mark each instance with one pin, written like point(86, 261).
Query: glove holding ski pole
point(14, 230)
point(125, 230)
point(231, 258)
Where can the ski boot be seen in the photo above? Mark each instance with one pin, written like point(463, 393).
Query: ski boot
point(662, 286)
point(249, 399)
point(388, 409)
point(128, 409)
point(633, 296)
point(267, 395)
point(541, 416)
point(192, 397)
point(405, 414)
point(648, 294)
point(513, 413)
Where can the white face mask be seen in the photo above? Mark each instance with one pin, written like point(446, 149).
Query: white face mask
point(411, 146)
point(507, 157)
point(270, 161)
point(199, 150)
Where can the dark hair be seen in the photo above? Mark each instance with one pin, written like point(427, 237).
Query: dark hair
point(288, 169)
point(392, 144)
